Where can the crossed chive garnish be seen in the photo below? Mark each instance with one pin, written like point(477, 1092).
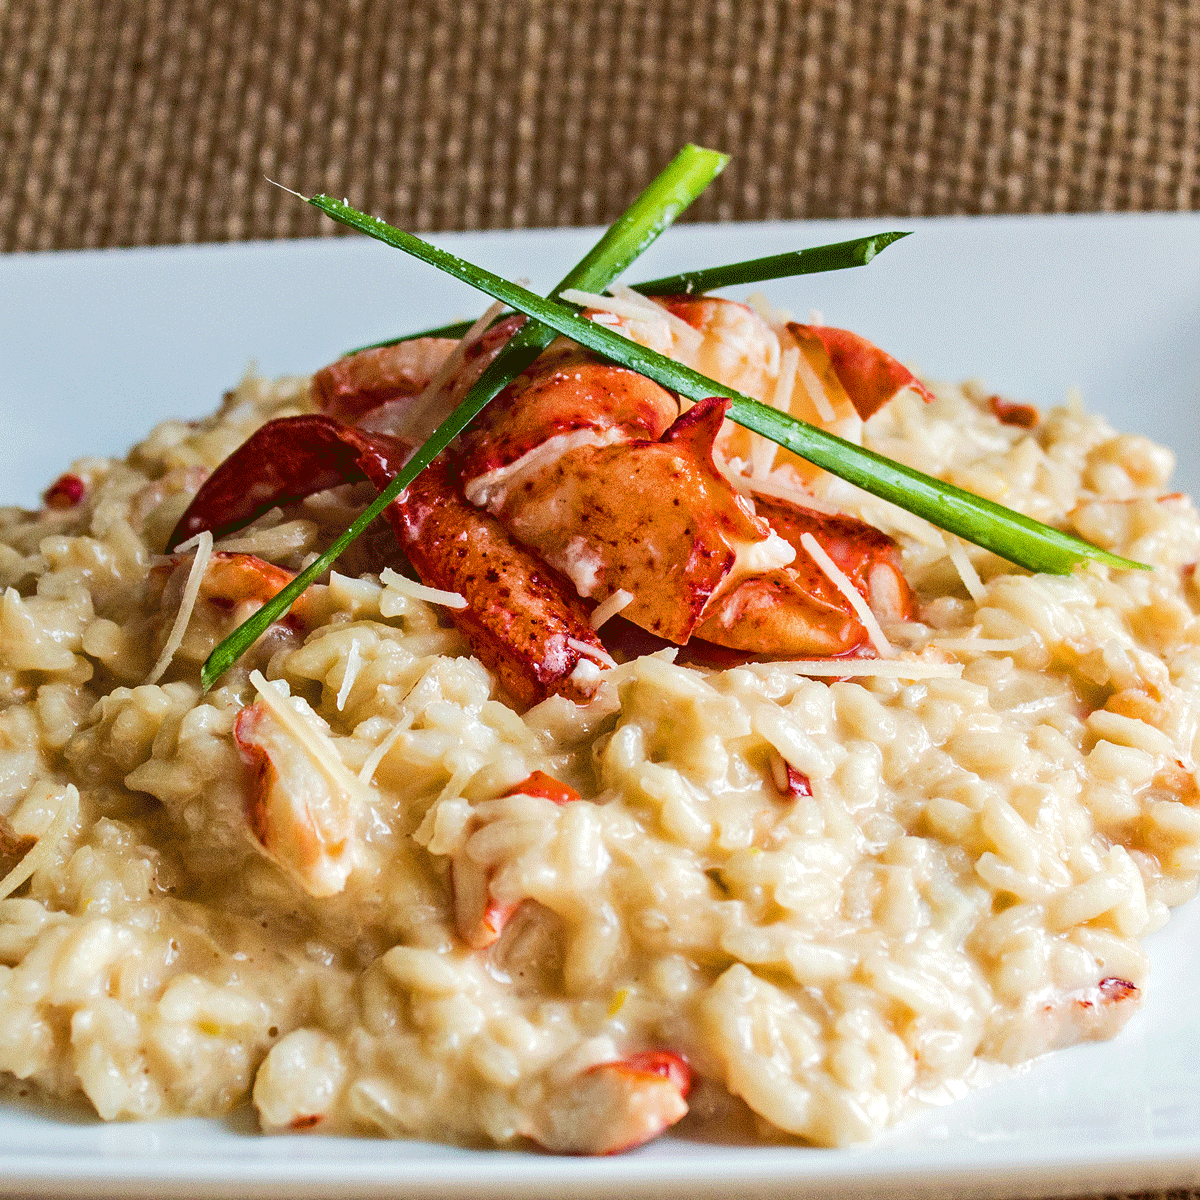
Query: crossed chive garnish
point(1011, 535)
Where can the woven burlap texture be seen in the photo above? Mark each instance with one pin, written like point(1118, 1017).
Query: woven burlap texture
point(148, 121)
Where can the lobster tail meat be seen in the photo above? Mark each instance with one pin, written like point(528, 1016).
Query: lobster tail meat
point(522, 619)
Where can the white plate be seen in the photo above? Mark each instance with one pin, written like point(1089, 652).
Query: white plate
point(96, 347)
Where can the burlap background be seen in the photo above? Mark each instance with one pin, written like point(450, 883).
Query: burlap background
point(149, 121)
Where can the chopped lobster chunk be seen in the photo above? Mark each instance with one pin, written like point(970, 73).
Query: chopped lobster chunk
point(521, 619)
point(398, 414)
point(655, 519)
point(232, 588)
point(65, 492)
point(240, 584)
point(870, 376)
point(792, 612)
point(479, 916)
point(737, 347)
point(357, 383)
point(797, 611)
point(282, 462)
point(1009, 412)
point(792, 783)
point(866, 555)
point(1064, 1018)
point(567, 391)
point(301, 819)
point(614, 1106)
point(545, 786)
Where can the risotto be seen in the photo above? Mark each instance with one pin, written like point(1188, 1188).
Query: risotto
point(372, 885)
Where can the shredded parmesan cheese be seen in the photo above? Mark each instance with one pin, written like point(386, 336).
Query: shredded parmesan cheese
point(191, 590)
point(817, 552)
point(601, 656)
point(962, 564)
point(610, 304)
point(306, 727)
point(418, 591)
point(970, 645)
point(688, 335)
point(367, 773)
point(36, 857)
point(763, 451)
point(354, 664)
point(194, 541)
point(419, 413)
point(779, 486)
point(811, 383)
point(489, 489)
point(773, 316)
point(607, 609)
point(846, 668)
point(455, 358)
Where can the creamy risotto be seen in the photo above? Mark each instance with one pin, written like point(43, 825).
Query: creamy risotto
point(367, 885)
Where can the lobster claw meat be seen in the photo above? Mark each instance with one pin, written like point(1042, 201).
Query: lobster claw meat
point(377, 386)
point(522, 619)
point(870, 376)
point(282, 462)
point(568, 392)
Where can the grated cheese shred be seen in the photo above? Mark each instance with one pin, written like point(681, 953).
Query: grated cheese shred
point(884, 668)
point(313, 739)
point(763, 452)
point(354, 663)
point(607, 609)
point(969, 645)
point(191, 592)
point(455, 358)
point(811, 383)
point(367, 773)
point(962, 564)
point(601, 656)
point(37, 856)
point(817, 552)
point(689, 336)
point(418, 591)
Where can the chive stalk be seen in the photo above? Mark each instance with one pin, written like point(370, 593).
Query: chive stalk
point(676, 186)
point(1013, 536)
point(835, 257)
point(456, 331)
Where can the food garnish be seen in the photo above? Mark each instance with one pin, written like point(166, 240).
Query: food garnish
point(676, 186)
point(837, 256)
point(1005, 532)
point(1010, 534)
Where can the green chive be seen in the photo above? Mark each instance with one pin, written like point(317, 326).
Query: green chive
point(1018, 538)
point(679, 183)
point(835, 257)
point(442, 331)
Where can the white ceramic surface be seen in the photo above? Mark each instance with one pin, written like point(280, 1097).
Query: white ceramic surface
point(95, 347)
